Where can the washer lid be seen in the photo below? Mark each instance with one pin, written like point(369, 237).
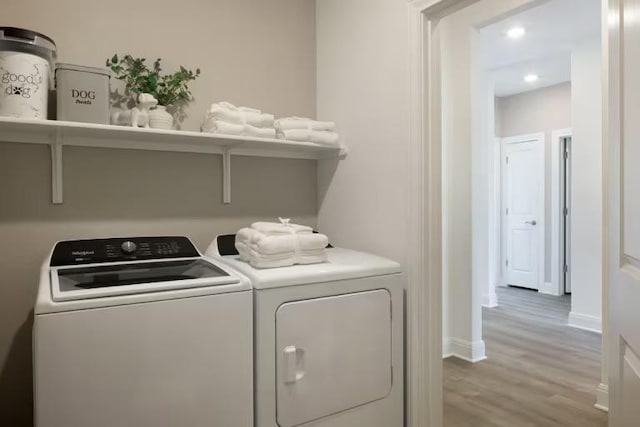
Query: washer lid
point(137, 277)
point(342, 264)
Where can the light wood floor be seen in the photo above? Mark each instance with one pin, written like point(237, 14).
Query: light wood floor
point(539, 372)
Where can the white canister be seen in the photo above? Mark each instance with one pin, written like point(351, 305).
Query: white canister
point(82, 93)
point(25, 72)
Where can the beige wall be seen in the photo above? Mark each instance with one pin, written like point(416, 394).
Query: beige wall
point(543, 110)
point(251, 52)
point(586, 186)
point(364, 202)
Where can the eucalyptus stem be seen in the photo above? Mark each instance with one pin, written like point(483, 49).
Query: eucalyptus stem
point(139, 78)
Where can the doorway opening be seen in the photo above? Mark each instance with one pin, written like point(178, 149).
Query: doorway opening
point(509, 76)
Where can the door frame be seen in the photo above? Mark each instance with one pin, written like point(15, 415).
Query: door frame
point(539, 138)
point(610, 17)
point(557, 282)
point(424, 293)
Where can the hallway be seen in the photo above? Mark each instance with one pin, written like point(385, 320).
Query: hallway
point(539, 372)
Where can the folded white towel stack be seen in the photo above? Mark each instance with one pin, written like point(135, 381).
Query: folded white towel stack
point(288, 123)
point(307, 130)
point(226, 118)
point(218, 126)
point(227, 112)
point(282, 227)
point(317, 136)
point(271, 244)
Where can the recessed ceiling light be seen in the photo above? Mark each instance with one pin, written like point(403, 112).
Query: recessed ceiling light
point(531, 78)
point(516, 32)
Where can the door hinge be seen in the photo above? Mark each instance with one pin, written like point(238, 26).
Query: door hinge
point(566, 155)
point(507, 263)
point(507, 159)
point(566, 211)
point(507, 211)
point(566, 268)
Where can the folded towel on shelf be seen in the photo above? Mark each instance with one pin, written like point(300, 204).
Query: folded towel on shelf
point(288, 123)
point(218, 126)
point(305, 135)
point(227, 112)
point(230, 106)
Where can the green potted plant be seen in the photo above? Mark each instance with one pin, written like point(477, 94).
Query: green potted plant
point(168, 89)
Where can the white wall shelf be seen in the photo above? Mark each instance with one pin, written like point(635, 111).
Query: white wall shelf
point(57, 134)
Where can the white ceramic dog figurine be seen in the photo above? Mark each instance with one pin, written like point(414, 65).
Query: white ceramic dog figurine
point(140, 113)
point(138, 116)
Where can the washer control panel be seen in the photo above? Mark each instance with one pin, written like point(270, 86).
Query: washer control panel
point(74, 252)
point(128, 247)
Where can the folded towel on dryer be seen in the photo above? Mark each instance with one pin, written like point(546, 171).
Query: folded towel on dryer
point(282, 227)
point(270, 244)
point(305, 135)
point(281, 243)
point(218, 126)
point(288, 123)
point(258, 260)
point(227, 112)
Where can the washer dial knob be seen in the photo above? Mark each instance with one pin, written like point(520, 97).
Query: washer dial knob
point(128, 247)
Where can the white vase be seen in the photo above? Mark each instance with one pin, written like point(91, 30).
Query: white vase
point(160, 118)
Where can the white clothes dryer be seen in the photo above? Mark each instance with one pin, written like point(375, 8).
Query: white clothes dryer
point(329, 340)
point(141, 332)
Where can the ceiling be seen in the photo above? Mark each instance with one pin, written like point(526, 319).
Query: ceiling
point(552, 30)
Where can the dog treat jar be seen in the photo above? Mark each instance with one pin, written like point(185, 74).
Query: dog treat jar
point(26, 59)
point(82, 93)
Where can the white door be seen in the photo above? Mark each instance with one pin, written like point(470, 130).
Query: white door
point(333, 354)
point(523, 209)
point(624, 212)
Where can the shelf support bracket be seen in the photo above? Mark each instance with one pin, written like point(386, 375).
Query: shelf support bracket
point(226, 175)
point(56, 169)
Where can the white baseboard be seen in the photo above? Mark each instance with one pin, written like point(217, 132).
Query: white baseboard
point(470, 351)
point(602, 397)
point(490, 300)
point(549, 289)
point(585, 321)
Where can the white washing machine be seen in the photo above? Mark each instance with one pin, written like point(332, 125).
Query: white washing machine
point(329, 340)
point(141, 332)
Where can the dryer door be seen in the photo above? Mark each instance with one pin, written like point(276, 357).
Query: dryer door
point(333, 354)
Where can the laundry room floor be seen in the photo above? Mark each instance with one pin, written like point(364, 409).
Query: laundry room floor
point(538, 372)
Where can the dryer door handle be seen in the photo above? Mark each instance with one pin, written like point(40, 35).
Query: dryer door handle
point(292, 364)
